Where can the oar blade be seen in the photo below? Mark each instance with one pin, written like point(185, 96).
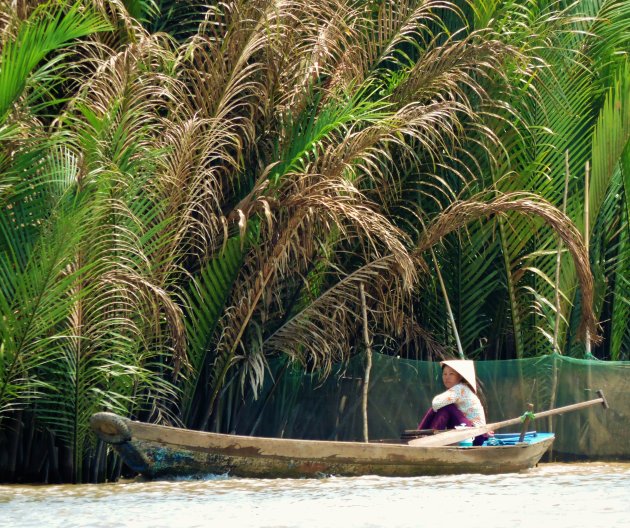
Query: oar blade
point(449, 437)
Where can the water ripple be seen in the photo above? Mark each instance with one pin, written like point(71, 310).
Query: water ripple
point(558, 495)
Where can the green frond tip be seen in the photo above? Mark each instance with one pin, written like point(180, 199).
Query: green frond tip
point(316, 128)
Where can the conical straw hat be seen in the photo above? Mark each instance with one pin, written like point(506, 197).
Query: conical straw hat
point(465, 368)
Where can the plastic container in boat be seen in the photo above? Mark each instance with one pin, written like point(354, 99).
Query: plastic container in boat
point(468, 442)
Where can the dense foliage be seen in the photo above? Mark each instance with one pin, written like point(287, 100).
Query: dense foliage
point(187, 190)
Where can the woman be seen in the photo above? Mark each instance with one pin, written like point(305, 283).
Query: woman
point(459, 404)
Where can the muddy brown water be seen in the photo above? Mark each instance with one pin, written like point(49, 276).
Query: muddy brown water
point(589, 495)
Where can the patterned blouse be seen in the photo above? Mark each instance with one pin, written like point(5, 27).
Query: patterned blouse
point(465, 400)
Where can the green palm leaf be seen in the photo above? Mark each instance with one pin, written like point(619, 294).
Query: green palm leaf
point(554, 113)
point(473, 283)
point(610, 139)
point(46, 30)
point(206, 302)
point(35, 311)
point(620, 331)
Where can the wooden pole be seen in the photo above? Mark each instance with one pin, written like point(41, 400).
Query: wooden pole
point(556, 330)
point(587, 237)
point(368, 363)
point(451, 317)
point(587, 243)
point(530, 409)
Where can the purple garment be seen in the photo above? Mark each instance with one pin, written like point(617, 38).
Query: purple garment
point(447, 418)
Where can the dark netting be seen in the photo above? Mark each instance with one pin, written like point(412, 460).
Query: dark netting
point(298, 405)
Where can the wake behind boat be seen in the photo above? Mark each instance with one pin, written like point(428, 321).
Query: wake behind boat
point(158, 451)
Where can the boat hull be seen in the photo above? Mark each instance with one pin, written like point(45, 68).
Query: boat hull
point(160, 451)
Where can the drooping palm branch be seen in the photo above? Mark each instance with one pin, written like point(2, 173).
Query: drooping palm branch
point(319, 331)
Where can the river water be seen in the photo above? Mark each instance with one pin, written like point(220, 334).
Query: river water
point(589, 495)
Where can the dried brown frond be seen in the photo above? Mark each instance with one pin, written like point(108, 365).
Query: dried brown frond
point(191, 183)
point(456, 69)
point(116, 12)
point(12, 12)
point(152, 300)
point(309, 209)
point(462, 213)
point(407, 21)
point(323, 332)
point(313, 46)
point(224, 70)
point(414, 135)
point(223, 63)
point(136, 76)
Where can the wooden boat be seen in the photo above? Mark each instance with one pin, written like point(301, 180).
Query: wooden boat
point(158, 451)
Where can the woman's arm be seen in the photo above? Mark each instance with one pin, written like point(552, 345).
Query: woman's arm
point(452, 395)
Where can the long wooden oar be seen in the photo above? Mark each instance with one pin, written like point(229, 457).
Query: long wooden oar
point(457, 435)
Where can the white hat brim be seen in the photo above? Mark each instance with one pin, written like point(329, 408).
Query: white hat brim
point(465, 368)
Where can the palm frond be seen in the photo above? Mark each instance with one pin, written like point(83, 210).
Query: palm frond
point(44, 32)
point(209, 291)
point(321, 333)
point(620, 334)
point(36, 307)
point(471, 277)
point(610, 137)
point(460, 214)
point(552, 114)
point(308, 207)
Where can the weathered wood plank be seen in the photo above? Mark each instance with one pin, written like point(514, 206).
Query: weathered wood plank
point(160, 450)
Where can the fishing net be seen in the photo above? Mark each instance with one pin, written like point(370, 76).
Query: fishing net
point(294, 404)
